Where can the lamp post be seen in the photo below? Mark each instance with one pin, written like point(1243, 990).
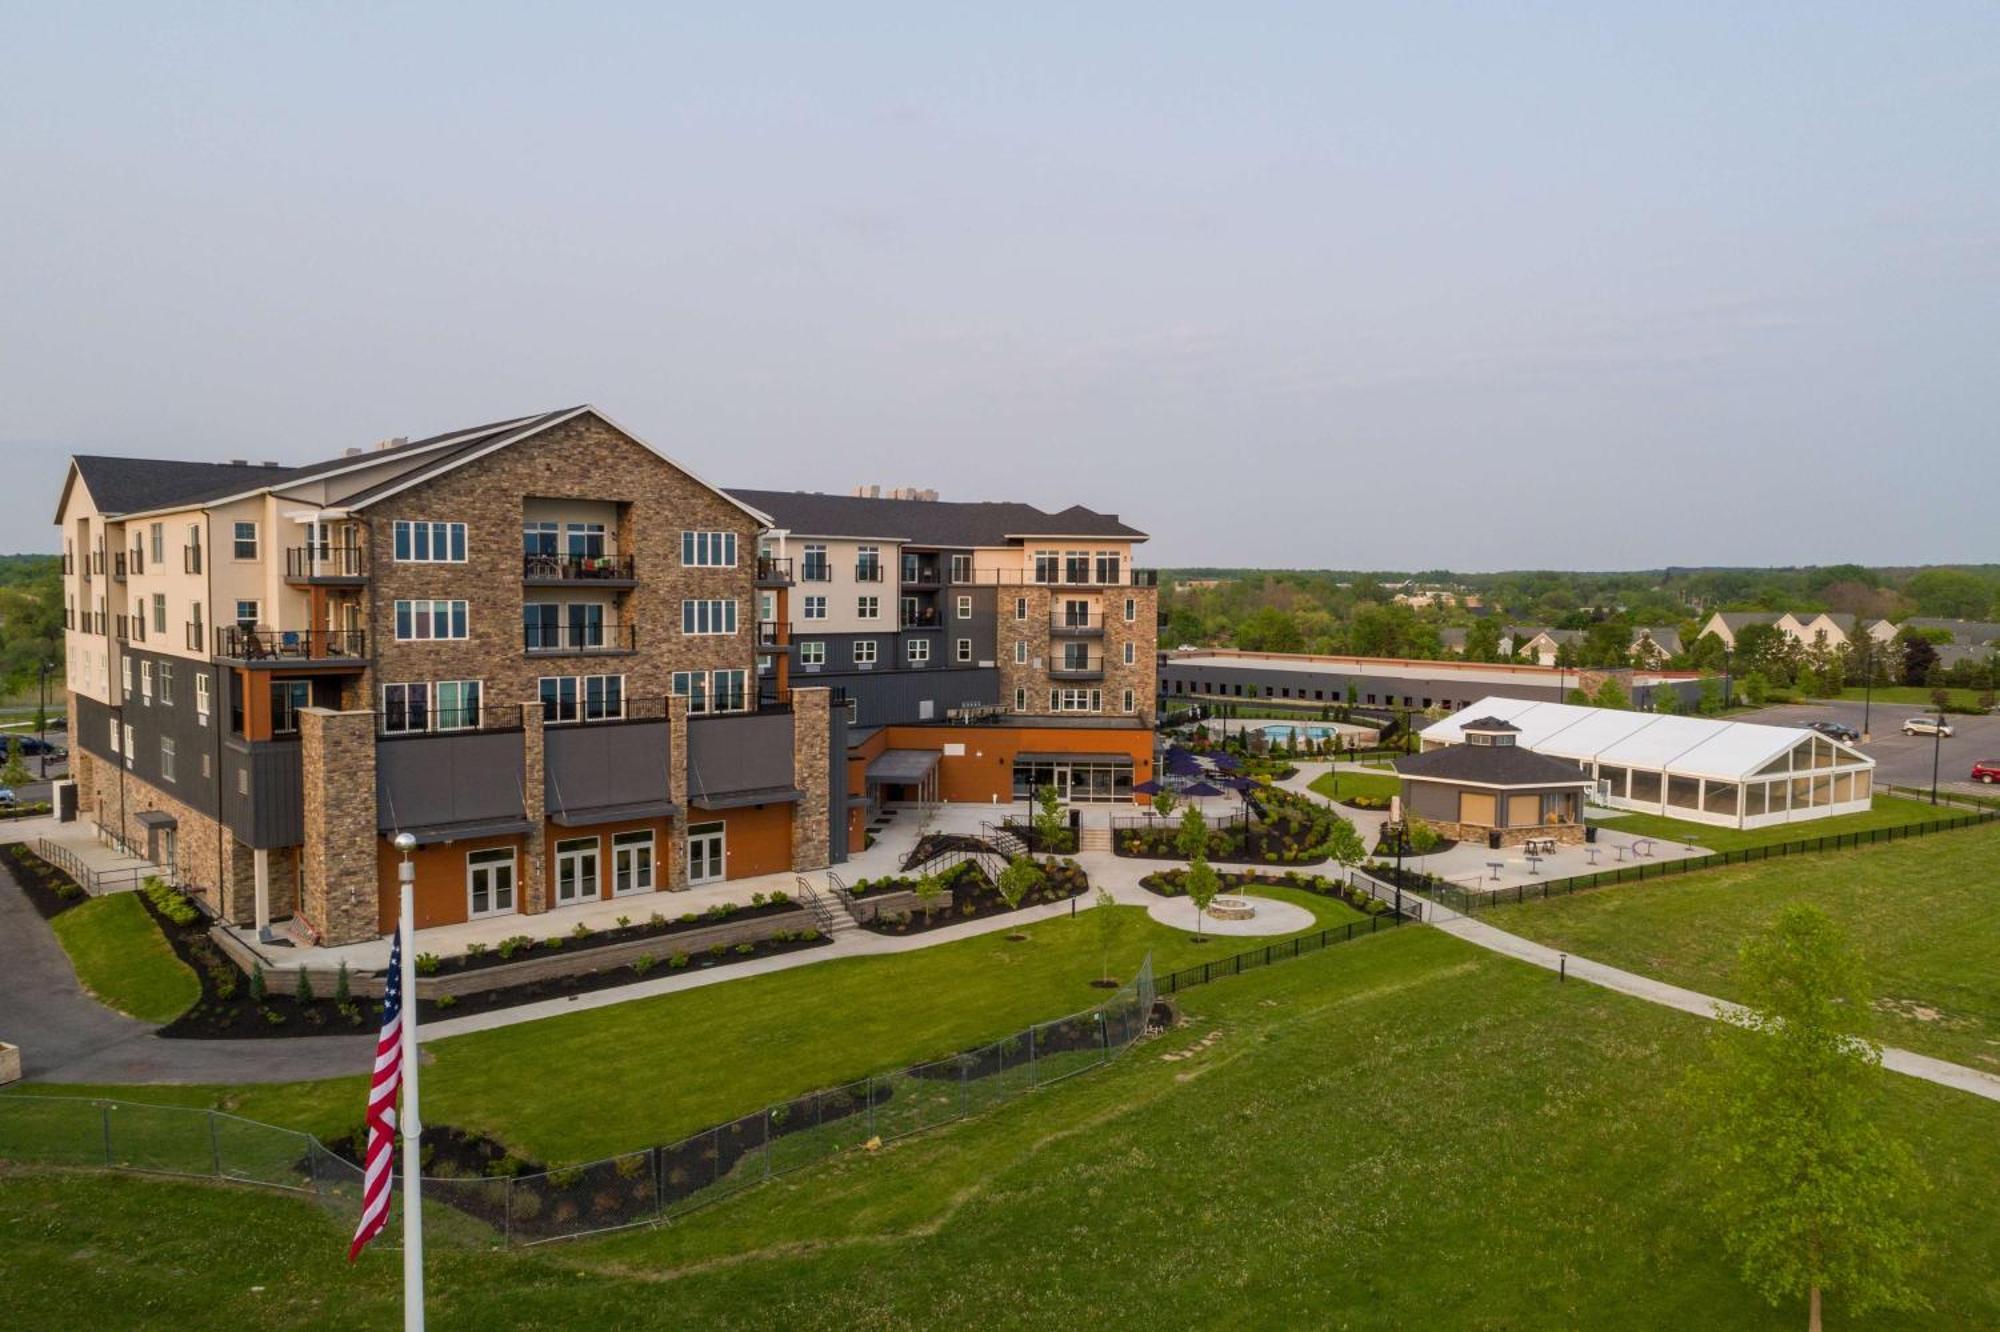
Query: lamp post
point(1867, 683)
point(1728, 685)
point(1937, 744)
point(42, 717)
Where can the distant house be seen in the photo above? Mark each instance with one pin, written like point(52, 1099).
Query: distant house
point(1725, 625)
point(1964, 633)
point(1838, 626)
point(1652, 647)
point(1802, 627)
point(1542, 645)
point(1452, 640)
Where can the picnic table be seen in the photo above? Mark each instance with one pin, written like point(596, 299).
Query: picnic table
point(1495, 866)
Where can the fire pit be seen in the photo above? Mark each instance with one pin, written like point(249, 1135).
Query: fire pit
point(1231, 908)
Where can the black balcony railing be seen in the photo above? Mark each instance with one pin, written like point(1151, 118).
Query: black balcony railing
point(772, 633)
point(815, 569)
point(261, 643)
point(920, 617)
point(554, 568)
point(580, 637)
point(1073, 624)
point(1076, 666)
point(1061, 576)
point(917, 574)
point(196, 635)
point(118, 565)
point(138, 563)
point(774, 570)
point(868, 572)
point(323, 561)
point(124, 628)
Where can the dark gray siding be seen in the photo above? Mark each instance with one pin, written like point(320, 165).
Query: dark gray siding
point(1195, 682)
point(836, 787)
point(425, 780)
point(193, 785)
point(884, 698)
point(263, 792)
point(612, 763)
point(750, 752)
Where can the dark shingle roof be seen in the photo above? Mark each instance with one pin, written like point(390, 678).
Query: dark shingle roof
point(1491, 765)
point(129, 485)
point(927, 522)
point(1489, 724)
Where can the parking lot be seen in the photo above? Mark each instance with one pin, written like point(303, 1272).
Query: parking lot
point(1904, 760)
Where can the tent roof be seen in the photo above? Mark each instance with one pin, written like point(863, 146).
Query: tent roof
point(1695, 746)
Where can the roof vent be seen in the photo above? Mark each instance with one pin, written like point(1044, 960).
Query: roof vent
point(239, 462)
point(270, 462)
point(352, 452)
point(396, 442)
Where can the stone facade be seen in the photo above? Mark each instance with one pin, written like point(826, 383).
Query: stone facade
point(811, 728)
point(534, 885)
point(677, 793)
point(1568, 834)
point(586, 461)
point(337, 753)
point(1033, 679)
point(208, 861)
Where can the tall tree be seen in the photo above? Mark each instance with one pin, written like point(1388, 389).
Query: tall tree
point(1482, 639)
point(1812, 1198)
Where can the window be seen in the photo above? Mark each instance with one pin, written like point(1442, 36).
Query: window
point(868, 608)
point(247, 614)
point(1020, 700)
point(1048, 564)
point(287, 698)
point(157, 541)
point(1131, 609)
point(541, 624)
point(576, 870)
point(125, 674)
point(160, 613)
point(457, 705)
point(963, 650)
point(812, 653)
point(1107, 566)
point(631, 862)
point(114, 735)
point(965, 608)
point(1020, 652)
point(864, 652)
point(1020, 608)
point(191, 557)
point(814, 568)
point(712, 617)
point(815, 608)
point(1075, 700)
point(419, 620)
point(961, 568)
point(708, 549)
point(584, 541)
point(146, 681)
point(539, 538)
point(131, 745)
point(558, 694)
point(167, 683)
point(693, 686)
point(244, 541)
point(429, 543)
point(919, 649)
point(201, 698)
point(586, 624)
point(1128, 701)
point(727, 690)
point(167, 758)
point(406, 708)
point(1131, 652)
point(603, 697)
point(1076, 566)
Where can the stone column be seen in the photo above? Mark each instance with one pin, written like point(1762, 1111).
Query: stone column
point(811, 747)
point(337, 762)
point(261, 871)
point(677, 791)
point(534, 802)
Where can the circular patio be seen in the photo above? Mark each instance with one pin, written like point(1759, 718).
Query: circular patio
point(1273, 917)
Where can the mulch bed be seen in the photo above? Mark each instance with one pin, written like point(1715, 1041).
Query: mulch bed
point(975, 898)
point(50, 890)
point(1167, 883)
point(932, 845)
point(657, 925)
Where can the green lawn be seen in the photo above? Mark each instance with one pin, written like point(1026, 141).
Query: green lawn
point(1925, 913)
point(1384, 784)
point(121, 957)
point(1887, 812)
point(593, 1083)
point(1405, 1132)
point(1917, 697)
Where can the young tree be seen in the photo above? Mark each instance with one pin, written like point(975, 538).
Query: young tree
point(1665, 700)
point(15, 771)
point(1423, 839)
point(1202, 885)
point(1192, 839)
point(1051, 829)
point(1345, 844)
point(1579, 698)
point(1711, 695)
point(1020, 878)
point(928, 888)
point(1811, 1196)
point(1107, 931)
point(1756, 688)
point(1164, 802)
point(1611, 695)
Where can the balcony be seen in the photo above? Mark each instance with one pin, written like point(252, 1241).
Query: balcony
point(773, 636)
point(196, 635)
point(815, 569)
point(921, 617)
point(552, 570)
point(321, 564)
point(260, 645)
point(1065, 625)
point(131, 628)
point(868, 572)
point(774, 571)
point(1063, 576)
point(921, 573)
point(1077, 666)
point(545, 640)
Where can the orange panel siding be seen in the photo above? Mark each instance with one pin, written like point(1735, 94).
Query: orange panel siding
point(756, 840)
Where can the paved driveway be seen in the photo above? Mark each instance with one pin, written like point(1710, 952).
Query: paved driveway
point(1903, 759)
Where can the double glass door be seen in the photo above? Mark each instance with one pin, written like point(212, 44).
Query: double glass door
point(576, 870)
point(489, 882)
point(705, 851)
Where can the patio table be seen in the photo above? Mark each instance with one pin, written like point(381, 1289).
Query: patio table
point(1495, 865)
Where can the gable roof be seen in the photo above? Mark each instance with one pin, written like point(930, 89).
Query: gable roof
point(1740, 619)
point(130, 485)
point(1973, 632)
point(930, 522)
point(1490, 765)
point(1667, 640)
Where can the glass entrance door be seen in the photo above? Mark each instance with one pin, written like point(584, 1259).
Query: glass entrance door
point(576, 870)
point(489, 882)
point(705, 851)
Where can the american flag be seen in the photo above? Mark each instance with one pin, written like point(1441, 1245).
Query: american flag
point(379, 1166)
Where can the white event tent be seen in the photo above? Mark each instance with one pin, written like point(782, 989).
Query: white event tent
point(1729, 773)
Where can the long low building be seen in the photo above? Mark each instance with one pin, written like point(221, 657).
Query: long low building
point(1728, 773)
point(1218, 674)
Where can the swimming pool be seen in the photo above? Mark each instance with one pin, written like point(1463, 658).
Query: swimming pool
point(1283, 733)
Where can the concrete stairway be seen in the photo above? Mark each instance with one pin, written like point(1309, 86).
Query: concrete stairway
point(1091, 838)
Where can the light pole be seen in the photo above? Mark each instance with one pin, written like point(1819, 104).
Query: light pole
point(1867, 684)
point(410, 1126)
point(1937, 744)
point(42, 717)
point(1728, 685)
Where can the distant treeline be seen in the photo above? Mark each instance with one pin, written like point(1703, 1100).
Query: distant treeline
point(31, 623)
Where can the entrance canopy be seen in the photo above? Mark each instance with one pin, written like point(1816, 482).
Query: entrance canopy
point(903, 767)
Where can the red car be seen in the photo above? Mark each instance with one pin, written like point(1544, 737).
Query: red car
point(1986, 770)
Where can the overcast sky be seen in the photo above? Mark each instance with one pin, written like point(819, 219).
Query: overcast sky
point(1480, 286)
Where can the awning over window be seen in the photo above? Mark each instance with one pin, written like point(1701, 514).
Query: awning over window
point(464, 832)
point(764, 795)
point(903, 767)
point(157, 818)
point(602, 814)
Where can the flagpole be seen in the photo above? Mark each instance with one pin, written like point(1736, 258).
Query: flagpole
point(407, 1121)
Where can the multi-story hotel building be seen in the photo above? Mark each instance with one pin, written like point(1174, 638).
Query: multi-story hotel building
point(568, 666)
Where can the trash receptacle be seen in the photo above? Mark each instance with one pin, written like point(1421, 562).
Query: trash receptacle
point(1589, 833)
point(1493, 839)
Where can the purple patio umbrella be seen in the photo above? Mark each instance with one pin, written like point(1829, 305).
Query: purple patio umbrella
point(1183, 765)
point(1237, 784)
point(1201, 789)
point(1145, 788)
point(1225, 760)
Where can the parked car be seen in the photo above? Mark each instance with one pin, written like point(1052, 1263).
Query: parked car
point(1927, 726)
point(32, 745)
point(1837, 730)
point(1986, 770)
point(7, 798)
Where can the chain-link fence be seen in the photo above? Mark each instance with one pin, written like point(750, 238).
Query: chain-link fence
point(640, 1187)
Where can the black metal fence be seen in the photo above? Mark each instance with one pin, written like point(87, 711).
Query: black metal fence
point(1284, 950)
point(1463, 899)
